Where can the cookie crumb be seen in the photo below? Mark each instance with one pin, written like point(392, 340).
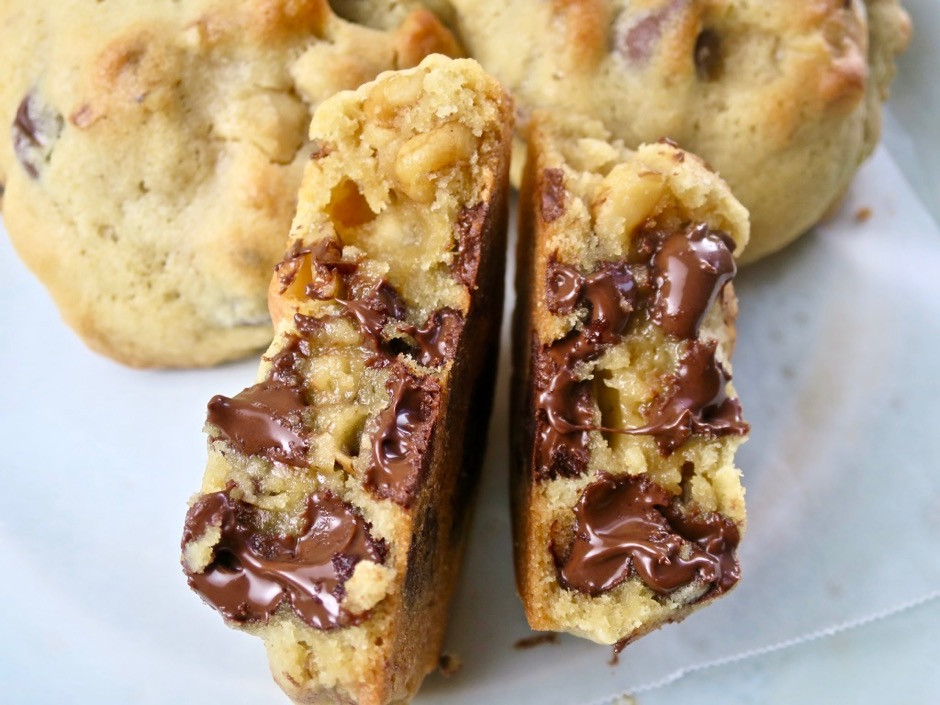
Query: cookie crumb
point(863, 215)
point(449, 665)
point(530, 642)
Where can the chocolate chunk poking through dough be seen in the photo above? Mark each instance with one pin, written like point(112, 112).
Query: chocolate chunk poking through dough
point(35, 130)
point(627, 506)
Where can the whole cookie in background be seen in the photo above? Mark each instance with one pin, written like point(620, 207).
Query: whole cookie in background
point(152, 152)
point(782, 98)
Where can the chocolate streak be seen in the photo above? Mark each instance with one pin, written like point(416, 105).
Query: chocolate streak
point(251, 573)
point(695, 402)
point(400, 445)
point(629, 525)
point(565, 405)
point(689, 270)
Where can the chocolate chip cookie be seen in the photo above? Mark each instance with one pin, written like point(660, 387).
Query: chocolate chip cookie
point(627, 505)
point(783, 99)
point(333, 509)
point(151, 154)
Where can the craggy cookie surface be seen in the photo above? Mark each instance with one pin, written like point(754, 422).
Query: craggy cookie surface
point(151, 155)
point(333, 509)
point(782, 98)
point(627, 506)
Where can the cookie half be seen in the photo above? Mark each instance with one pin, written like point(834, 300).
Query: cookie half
point(151, 154)
point(782, 98)
point(627, 505)
point(333, 510)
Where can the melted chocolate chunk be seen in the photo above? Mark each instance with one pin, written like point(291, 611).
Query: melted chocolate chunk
point(689, 270)
point(695, 402)
point(372, 304)
point(251, 573)
point(400, 445)
point(437, 340)
point(265, 420)
point(35, 129)
point(631, 526)
point(374, 308)
point(286, 364)
point(563, 287)
point(565, 405)
point(709, 62)
point(552, 195)
point(469, 236)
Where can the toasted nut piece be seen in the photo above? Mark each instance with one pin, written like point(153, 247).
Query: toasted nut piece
point(391, 95)
point(431, 152)
point(628, 198)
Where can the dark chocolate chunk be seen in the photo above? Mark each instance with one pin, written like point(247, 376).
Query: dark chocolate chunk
point(328, 270)
point(401, 443)
point(709, 62)
point(265, 420)
point(689, 270)
point(437, 340)
point(286, 364)
point(563, 287)
point(694, 402)
point(35, 129)
point(552, 195)
point(373, 308)
point(630, 526)
point(374, 304)
point(564, 405)
point(251, 572)
point(637, 43)
point(289, 267)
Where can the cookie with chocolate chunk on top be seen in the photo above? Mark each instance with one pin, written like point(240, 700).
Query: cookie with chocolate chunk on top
point(782, 98)
point(151, 152)
point(627, 506)
point(333, 510)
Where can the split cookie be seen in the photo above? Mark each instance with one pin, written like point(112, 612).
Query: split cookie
point(627, 505)
point(333, 510)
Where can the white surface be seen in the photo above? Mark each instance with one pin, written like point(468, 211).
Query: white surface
point(837, 367)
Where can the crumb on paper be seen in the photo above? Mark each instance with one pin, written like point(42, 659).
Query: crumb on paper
point(625, 700)
point(449, 665)
point(863, 214)
point(536, 640)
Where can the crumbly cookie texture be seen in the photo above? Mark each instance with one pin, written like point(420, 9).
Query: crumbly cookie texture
point(627, 505)
point(783, 99)
point(152, 153)
point(332, 513)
